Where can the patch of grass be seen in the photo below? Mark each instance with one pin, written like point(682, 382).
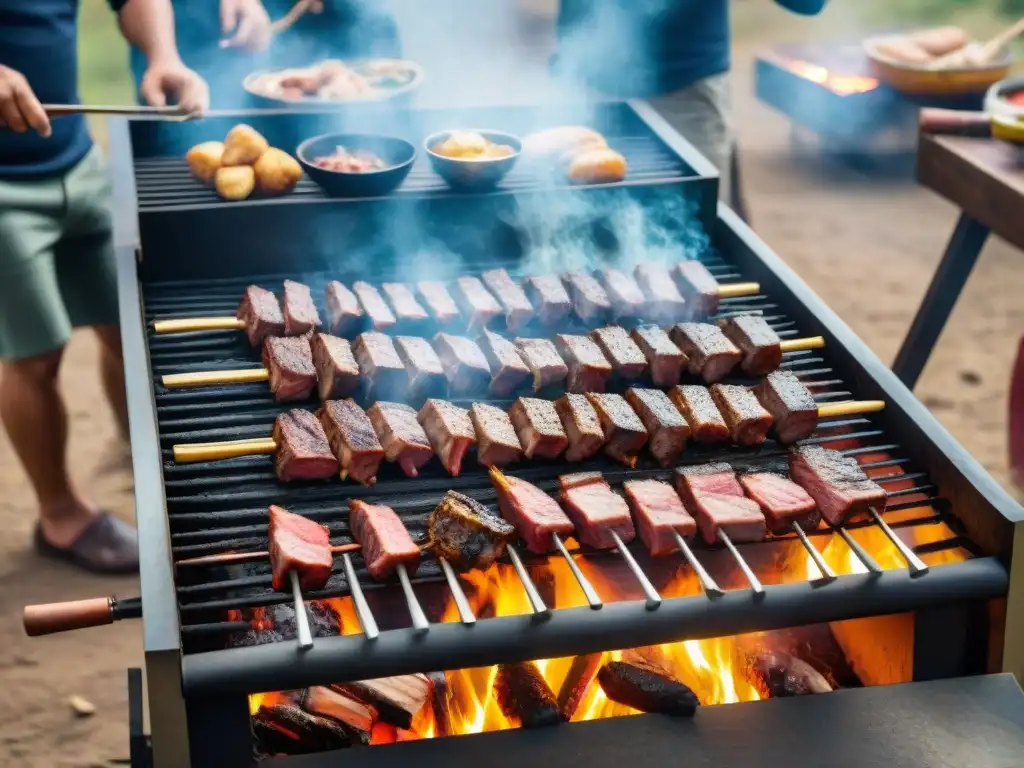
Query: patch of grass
point(103, 73)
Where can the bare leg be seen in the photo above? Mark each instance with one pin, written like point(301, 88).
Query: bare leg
point(112, 373)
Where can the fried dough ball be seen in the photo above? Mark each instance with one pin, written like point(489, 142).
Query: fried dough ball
point(204, 160)
point(243, 146)
point(597, 166)
point(235, 182)
point(277, 172)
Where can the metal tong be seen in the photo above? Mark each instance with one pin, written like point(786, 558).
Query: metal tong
point(173, 113)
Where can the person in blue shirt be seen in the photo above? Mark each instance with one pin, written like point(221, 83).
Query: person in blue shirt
point(57, 253)
point(674, 53)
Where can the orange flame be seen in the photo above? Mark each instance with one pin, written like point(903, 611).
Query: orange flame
point(842, 85)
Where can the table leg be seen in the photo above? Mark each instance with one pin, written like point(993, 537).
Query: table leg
point(947, 283)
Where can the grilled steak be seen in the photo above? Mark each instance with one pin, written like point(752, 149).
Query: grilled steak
point(466, 533)
point(524, 696)
point(289, 361)
point(548, 297)
point(664, 302)
point(664, 358)
point(518, 309)
point(450, 431)
point(698, 286)
point(464, 363)
point(336, 369)
point(659, 514)
point(596, 510)
point(535, 515)
point(782, 501)
point(760, 345)
point(386, 543)
point(626, 298)
point(624, 433)
point(539, 428)
point(582, 426)
point(836, 482)
point(352, 439)
point(261, 314)
point(714, 497)
point(403, 303)
point(790, 404)
point(303, 452)
point(710, 353)
point(748, 422)
point(426, 374)
point(589, 369)
point(667, 428)
point(343, 311)
point(380, 366)
point(698, 408)
point(497, 442)
point(376, 309)
point(543, 360)
point(588, 297)
point(627, 359)
point(301, 545)
point(508, 371)
point(442, 305)
point(300, 313)
point(477, 305)
point(400, 434)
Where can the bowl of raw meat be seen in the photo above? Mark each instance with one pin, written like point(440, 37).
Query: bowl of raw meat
point(356, 164)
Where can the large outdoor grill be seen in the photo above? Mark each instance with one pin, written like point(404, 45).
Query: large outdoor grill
point(956, 616)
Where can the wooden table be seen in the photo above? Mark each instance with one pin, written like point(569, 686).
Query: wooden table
point(985, 179)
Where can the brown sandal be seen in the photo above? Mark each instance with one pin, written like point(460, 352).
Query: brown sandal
point(107, 546)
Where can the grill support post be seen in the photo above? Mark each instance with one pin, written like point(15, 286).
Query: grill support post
point(950, 641)
point(220, 729)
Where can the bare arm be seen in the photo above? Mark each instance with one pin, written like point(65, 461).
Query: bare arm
point(149, 26)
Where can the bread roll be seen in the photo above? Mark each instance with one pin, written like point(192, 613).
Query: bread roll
point(903, 51)
point(941, 40)
point(235, 182)
point(277, 172)
point(204, 160)
point(562, 141)
point(243, 146)
point(597, 166)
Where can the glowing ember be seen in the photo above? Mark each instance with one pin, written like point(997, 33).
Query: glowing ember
point(842, 85)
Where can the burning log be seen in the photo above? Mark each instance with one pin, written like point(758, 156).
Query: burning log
point(349, 713)
point(647, 687)
point(396, 699)
point(439, 702)
point(581, 673)
point(288, 729)
point(784, 675)
point(524, 697)
point(277, 623)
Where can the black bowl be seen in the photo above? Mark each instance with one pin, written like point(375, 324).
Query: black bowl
point(473, 175)
point(399, 155)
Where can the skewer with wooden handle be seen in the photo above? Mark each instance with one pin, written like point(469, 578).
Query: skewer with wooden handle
point(50, 618)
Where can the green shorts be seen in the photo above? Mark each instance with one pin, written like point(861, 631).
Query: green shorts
point(56, 258)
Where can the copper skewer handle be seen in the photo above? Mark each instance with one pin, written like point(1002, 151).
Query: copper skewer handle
point(186, 324)
point(229, 449)
point(799, 345)
point(213, 378)
point(851, 408)
point(733, 290)
point(49, 618)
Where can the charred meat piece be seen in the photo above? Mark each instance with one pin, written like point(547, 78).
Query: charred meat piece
point(548, 297)
point(667, 428)
point(589, 369)
point(301, 545)
point(748, 422)
point(401, 435)
point(782, 501)
point(626, 298)
point(539, 428)
point(336, 369)
point(426, 374)
point(508, 371)
point(261, 314)
point(698, 286)
point(543, 360)
point(376, 309)
point(386, 542)
point(303, 451)
point(698, 408)
point(403, 303)
point(380, 365)
point(343, 311)
point(518, 309)
point(627, 359)
point(524, 696)
point(497, 442)
point(289, 361)
point(646, 688)
point(711, 355)
point(466, 533)
point(442, 305)
point(790, 404)
point(664, 302)
point(714, 497)
point(760, 345)
point(582, 426)
point(596, 510)
point(352, 439)
point(300, 313)
point(478, 306)
point(464, 363)
point(664, 358)
point(588, 297)
point(450, 431)
point(624, 433)
point(659, 515)
point(836, 482)
point(535, 515)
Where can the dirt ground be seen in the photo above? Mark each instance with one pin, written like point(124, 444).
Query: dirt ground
point(868, 248)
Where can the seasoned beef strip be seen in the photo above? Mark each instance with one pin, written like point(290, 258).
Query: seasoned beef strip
point(760, 345)
point(624, 433)
point(442, 305)
point(298, 544)
point(714, 497)
point(543, 360)
point(376, 309)
point(539, 428)
point(748, 422)
point(385, 540)
point(626, 298)
point(710, 353)
point(588, 297)
point(518, 309)
point(477, 305)
point(534, 514)
point(466, 533)
point(596, 510)
point(406, 308)
point(336, 368)
point(627, 359)
point(300, 313)
point(289, 361)
point(582, 426)
point(589, 369)
point(508, 371)
point(664, 302)
point(464, 363)
point(381, 366)
point(667, 428)
point(426, 374)
point(343, 311)
point(698, 408)
point(790, 404)
point(352, 439)
point(836, 482)
point(782, 501)
point(497, 442)
point(401, 435)
point(548, 297)
point(303, 452)
point(698, 287)
point(450, 431)
point(659, 514)
point(665, 360)
point(261, 314)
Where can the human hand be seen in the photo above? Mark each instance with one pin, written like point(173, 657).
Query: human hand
point(19, 107)
point(173, 79)
point(245, 24)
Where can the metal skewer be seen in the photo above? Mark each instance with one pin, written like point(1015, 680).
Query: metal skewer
point(708, 584)
point(653, 598)
point(589, 592)
point(461, 602)
point(419, 619)
point(827, 574)
point(755, 583)
point(914, 563)
point(363, 612)
point(861, 553)
point(536, 601)
point(305, 635)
